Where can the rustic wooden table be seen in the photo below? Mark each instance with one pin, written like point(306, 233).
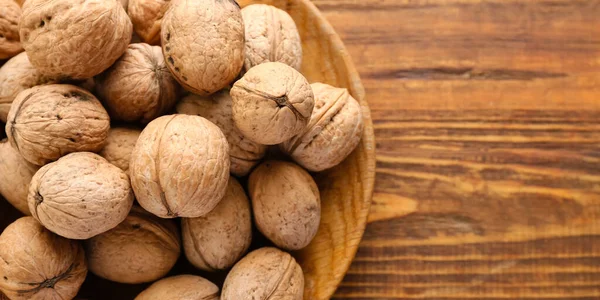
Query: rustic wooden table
point(487, 121)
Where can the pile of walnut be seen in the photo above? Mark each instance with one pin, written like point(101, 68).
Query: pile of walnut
point(95, 122)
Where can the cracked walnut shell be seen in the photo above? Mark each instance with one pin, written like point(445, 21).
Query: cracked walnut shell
point(15, 176)
point(36, 264)
point(181, 287)
point(271, 103)
point(10, 14)
point(119, 145)
point(80, 196)
point(48, 121)
point(180, 166)
point(146, 16)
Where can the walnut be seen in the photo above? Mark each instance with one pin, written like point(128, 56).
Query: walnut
point(76, 39)
point(243, 153)
point(203, 43)
point(16, 76)
point(37, 264)
point(265, 274)
point(334, 130)
point(182, 287)
point(119, 145)
point(180, 166)
point(142, 248)
point(286, 203)
point(146, 16)
point(48, 121)
point(80, 196)
point(219, 239)
point(271, 35)
point(10, 14)
point(15, 176)
point(271, 103)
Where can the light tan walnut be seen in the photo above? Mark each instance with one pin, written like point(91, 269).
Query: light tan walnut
point(181, 287)
point(203, 43)
point(142, 248)
point(74, 39)
point(265, 274)
point(146, 16)
point(244, 154)
point(271, 35)
point(80, 196)
point(46, 122)
point(36, 264)
point(138, 87)
point(119, 146)
point(180, 166)
point(15, 176)
point(271, 103)
point(10, 14)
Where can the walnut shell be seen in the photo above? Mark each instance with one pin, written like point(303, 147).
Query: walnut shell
point(206, 60)
point(180, 166)
point(15, 176)
point(244, 154)
point(219, 239)
point(271, 35)
point(286, 203)
point(36, 264)
point(334, 130)
point(138, 87)
point(271, 103)
point(16, 76)
point(181, 287)
point(10, 14)
point(265, 274)
point(80, 195)
point(142, 248)
point(76, 39)
point(146, 16)
point(48, 121)
point(119, 145)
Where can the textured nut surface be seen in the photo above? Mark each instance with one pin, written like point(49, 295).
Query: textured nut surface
point(146, 16)
point(48, 121)
point(15, 176)
point(265, 274)
point(180, 166)
point(182, 287)
point(16, 76)
point(203, 61)
point(138, 86)
point(80, 195)
point(334, 130)
point(271, 35)
point(37, 264)
point(271, 103)
point(142, 248)
point(10, 13)
point(286, 203)
point(76, 39)
point(119, 145)
point(243, 153)
point(219, 239)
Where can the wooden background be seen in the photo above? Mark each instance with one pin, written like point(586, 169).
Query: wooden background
point(487, 121)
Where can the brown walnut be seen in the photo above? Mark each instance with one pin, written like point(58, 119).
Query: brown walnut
point(146, 16)
point(10, 14)
point(181, 287)
point(15, 176)
point(119, 146)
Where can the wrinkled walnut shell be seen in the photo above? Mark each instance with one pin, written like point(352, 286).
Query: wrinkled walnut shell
point(37, 264)
point(16, 76)
point(146, 16)
point(334, 130)
point(142, 248)
point(181, 287)
point(119, 146)
point(80, 196)
point(180, 166)
point(15, 176)
point(48, 121)
point(10, 14)
point(286, 203)
point(265, 274)
point(138, 87)
point(244, 154)
point(203, 61)
point(75, 39)
point(271, 103)
point(271, 35)
point(219, 239)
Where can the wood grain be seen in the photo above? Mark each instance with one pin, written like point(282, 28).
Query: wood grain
point(487, 123)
